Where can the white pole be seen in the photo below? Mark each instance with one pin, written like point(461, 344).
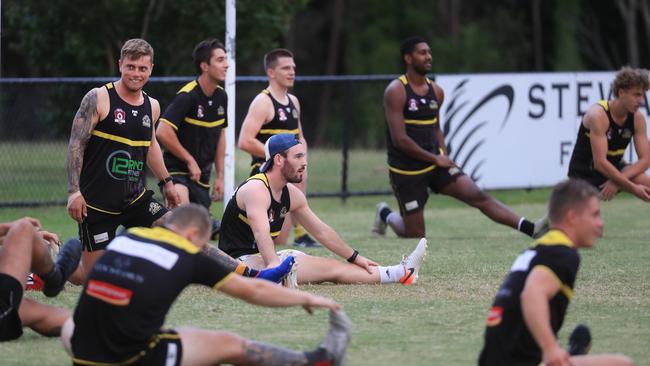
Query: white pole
point(229, 163)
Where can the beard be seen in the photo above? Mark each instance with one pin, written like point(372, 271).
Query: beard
point(420, 70)
point(292, 176)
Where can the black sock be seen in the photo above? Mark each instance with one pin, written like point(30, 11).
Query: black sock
point(383, 214)
point(527, 227)
point(54, 276)
point(317, 357)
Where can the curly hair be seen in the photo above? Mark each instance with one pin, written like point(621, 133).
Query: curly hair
point(628, 77)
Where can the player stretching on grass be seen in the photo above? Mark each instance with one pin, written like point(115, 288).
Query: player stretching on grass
point(121, 312)
point(256, 212)
point(531, 303)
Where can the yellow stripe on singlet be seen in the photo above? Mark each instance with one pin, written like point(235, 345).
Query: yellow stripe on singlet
point(421, 122)
point(616, 152)
point(196, 122)
point(244, 219)
point(165, 236)
point(271, 131)
point(108, 136)
point(566, 290)
point(411, 172)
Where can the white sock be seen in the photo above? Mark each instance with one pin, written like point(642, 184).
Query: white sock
point(391, 274)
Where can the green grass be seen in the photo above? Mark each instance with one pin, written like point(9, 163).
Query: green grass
point(439, 321)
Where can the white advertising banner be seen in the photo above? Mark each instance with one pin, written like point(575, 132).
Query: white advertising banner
point(518, 130)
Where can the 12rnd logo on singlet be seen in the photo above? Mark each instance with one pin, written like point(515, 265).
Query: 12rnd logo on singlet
point(120, 166)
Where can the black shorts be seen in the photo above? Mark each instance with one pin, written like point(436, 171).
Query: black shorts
point(594, 177)
point(11, 294)
point(98, 228)
point(411, 190)
point(199, 193)
point(165, 349)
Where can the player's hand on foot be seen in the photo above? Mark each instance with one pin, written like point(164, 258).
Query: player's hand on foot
point(77, 207)
point(49, 237)
point(365, 263)
point(315, 301)
point(608, 190)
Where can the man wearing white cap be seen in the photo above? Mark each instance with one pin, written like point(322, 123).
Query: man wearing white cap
point(256, 211)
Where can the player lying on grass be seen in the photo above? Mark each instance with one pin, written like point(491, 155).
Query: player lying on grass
point(24, 250)
point(530, 305)
point(122, 308)
point(255, 215)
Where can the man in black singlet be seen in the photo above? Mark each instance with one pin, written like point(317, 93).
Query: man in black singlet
point(275, 111)
point(24, 248)
point(121, 312)
point(604, 134)
point(531, 304)
point(256, 213)
point(191, 128)
point(112, 139)
point(417, 154)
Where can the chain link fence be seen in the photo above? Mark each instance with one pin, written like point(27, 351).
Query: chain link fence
point(342, 119)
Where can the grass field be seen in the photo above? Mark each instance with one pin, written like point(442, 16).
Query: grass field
point(440, 320)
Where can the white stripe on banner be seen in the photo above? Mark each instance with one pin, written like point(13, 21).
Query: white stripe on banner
point(153, 253)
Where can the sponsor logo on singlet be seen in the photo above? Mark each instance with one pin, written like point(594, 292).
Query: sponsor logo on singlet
point(120, 166)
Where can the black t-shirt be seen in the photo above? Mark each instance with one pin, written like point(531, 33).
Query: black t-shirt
point(130, 290)
point(507, 339)
point(198, 121)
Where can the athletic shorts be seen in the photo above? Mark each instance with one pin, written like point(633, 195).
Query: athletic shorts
point(594, 177)
point(283, 254)
point(11, 294)
point(411, 190)
point(98, 228)
point(165, 349)
point(198, 193)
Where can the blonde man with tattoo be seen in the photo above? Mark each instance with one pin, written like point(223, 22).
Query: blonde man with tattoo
point(112, 138)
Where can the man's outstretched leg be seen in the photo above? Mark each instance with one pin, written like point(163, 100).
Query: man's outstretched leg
point(313, 269)
point(199, 348)
point(275, 274)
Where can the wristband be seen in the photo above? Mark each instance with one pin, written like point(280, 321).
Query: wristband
point(353, 257)
point(164, 181)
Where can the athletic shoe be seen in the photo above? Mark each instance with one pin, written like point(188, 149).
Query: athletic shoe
point(216, 229)
point(337, 338)
point(305, 241)
point(580, 340)
point(541, 227)
point(291, 279)
point(379, 226)
point(413, 262)
point(67, 262)
point(277, 274)
point(34, 283)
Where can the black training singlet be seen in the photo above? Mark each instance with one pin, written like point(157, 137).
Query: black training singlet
point(508, 340)
point(236, 237)
point(618, 138)
point(112, 176)
point(285, 120)
point(421, 121)
point(198, 121)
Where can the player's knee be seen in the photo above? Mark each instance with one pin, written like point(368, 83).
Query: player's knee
point(23, 227)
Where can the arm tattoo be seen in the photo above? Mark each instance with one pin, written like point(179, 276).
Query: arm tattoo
point(220, 256)
point(257, 353)
point(79, 136)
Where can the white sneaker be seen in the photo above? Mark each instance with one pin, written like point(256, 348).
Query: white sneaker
point(379, 226)
point(541, 227)
point(291, 279)
point(413, 262)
